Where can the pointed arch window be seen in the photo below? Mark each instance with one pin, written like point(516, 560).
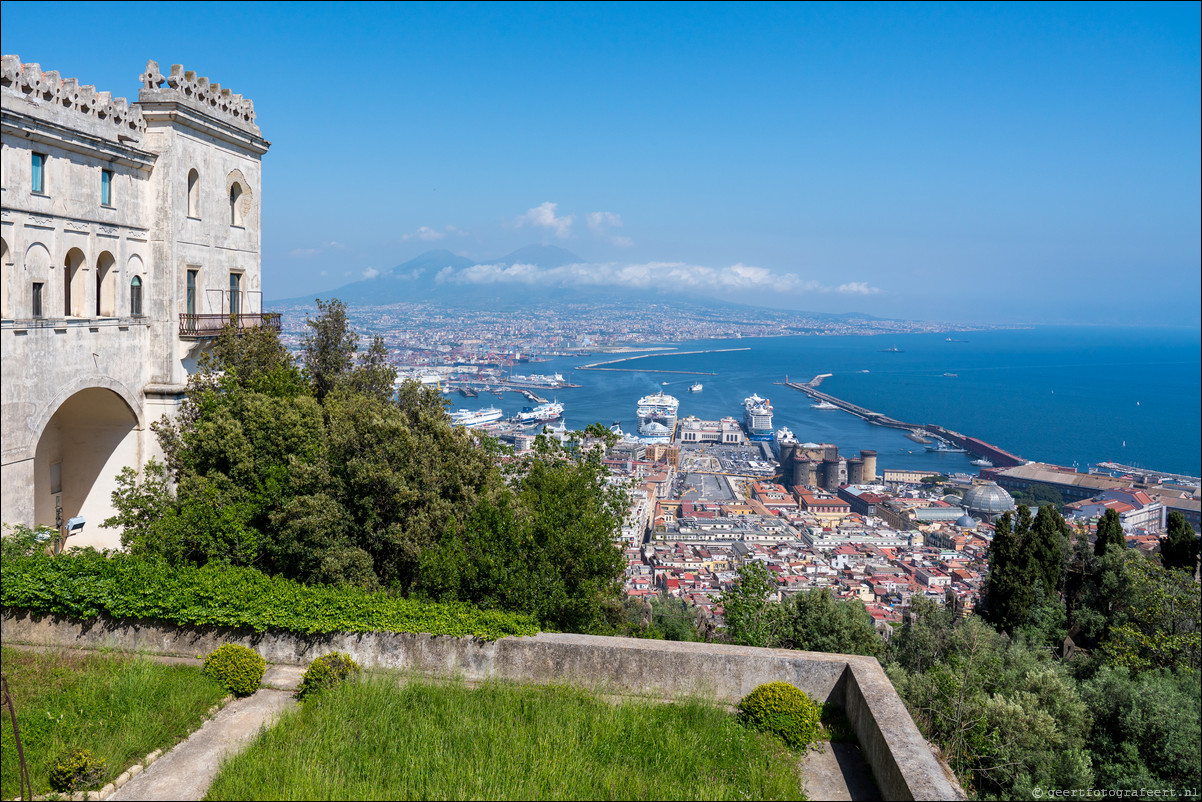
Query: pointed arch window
point(235, 206)
point(135, 296)
point(194, 193)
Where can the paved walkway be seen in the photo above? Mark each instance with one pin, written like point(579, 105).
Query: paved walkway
point(187, 770)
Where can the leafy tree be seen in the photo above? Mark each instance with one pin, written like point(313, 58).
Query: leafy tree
point(329, 347)
point(1160, 623)
point(1146, 728)
point(752, 619)
point(1110, 533)
point(374, 375)
point(818, 622)
point(1179, 547)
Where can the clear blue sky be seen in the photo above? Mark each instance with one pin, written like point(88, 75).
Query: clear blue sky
point(960, 162)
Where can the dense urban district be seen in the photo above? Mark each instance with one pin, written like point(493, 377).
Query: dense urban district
point(429, 334)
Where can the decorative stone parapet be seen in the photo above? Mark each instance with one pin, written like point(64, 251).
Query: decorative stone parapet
point(50, 87)
point(184, 85)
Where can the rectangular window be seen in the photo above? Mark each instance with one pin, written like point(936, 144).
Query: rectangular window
point(37, 299)
point(106, 187)
point(235, 295)
point(191, 292)
point(39, 173)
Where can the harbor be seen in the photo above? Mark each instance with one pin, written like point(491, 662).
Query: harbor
point(936, 438)
point(602, 365)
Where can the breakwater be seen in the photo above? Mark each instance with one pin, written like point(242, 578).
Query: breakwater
point(973, 445)
point(601, 365)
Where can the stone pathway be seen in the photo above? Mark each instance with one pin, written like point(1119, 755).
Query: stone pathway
point(186, 772)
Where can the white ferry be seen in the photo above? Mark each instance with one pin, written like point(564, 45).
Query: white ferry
point(695, 387)
point(757, 418)
point(475, 417)
point(657, 417)
point(552, 410)
point(823, 405)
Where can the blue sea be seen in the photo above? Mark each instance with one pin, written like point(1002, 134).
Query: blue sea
point(1066, 395)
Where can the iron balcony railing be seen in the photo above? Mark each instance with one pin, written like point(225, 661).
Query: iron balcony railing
point(202, 326)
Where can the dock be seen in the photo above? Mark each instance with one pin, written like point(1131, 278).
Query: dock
point(600, 365)
point(916, 431)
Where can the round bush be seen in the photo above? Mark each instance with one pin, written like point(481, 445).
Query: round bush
point(76, 770)
point(326, 672)
point(783, 710)
point(236, 667)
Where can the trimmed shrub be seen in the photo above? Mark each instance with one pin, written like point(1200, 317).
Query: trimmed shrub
point(783, 710)
point(236, 667)
point(76, 770)
point(326, 672)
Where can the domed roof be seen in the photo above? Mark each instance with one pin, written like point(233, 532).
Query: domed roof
point(966, 521)
point(987, 498)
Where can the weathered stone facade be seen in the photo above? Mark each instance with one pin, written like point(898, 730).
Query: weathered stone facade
point(130, 232)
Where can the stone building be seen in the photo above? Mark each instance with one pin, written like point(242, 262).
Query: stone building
point(130, 236)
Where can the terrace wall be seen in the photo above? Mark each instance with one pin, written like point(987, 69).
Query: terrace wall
point(900, 759)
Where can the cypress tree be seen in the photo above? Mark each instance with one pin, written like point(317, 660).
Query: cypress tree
point(1008, 588)
point(1110, 534)
point(1179, 546)
point(1048, 549)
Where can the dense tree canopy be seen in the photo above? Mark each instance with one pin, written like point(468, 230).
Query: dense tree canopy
point(330, 474)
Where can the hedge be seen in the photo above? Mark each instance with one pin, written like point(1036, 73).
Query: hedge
point(85, 585)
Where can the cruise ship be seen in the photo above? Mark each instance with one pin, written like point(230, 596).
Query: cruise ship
point(757, 418)
point(783, 435)
point(657, 417)
point(475, 417)
point(552, 410)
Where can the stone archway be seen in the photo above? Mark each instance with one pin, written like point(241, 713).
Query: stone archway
point(90, 437)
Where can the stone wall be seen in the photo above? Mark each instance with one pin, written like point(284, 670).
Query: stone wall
point(900, 759)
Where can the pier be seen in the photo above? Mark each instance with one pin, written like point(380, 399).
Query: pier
point(916, 431)
point(599, 365)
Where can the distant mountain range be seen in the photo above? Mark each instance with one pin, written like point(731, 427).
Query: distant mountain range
point(531, 276)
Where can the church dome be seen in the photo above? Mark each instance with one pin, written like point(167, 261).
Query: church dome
point(966, 521)
point(987, 499)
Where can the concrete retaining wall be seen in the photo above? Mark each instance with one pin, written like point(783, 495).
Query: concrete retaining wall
point(900, 759)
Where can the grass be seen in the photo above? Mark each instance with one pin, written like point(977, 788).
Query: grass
point(119, 707)
point(380, 739)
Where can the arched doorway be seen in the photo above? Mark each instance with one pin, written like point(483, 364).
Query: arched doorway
point(5, 279)
point(75, 288)
point(81, 450)
point(106, 283)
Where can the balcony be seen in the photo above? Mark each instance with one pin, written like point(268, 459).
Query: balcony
point(199, 327)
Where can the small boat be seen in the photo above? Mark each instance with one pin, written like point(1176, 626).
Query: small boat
point(823, 405)
point(892, 350)
point(982, 463)
point(695, 387)
point(950, 375)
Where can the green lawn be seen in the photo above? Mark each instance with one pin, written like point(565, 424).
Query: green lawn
point(381, 738)
point(120, 707)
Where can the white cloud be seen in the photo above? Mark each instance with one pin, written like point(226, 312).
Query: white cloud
point(601, 224)
point(427, 234)
point(370, 272)
point(649, 275)
point(543, 216)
